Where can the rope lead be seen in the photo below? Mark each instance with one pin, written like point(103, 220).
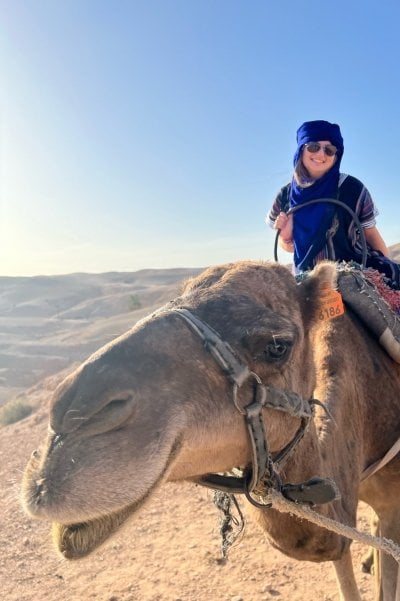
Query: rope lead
point(303, 511)
point(231, 527)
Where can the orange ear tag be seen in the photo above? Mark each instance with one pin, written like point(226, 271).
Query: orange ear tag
point(331, 304)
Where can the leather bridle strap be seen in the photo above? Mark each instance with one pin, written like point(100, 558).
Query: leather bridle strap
point(262, 476)
point(236, 371)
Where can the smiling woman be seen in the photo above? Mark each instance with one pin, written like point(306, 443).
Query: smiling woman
point(318, 158)
point(322, 230)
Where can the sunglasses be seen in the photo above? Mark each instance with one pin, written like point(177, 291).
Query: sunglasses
point(329, 149)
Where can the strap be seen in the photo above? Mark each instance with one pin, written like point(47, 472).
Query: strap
point(372, 469)
point(222, 352)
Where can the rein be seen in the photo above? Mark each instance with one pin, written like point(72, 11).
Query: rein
point(262, 476)
point(338, 203)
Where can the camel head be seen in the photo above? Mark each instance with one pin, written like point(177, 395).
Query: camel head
point(154, 405)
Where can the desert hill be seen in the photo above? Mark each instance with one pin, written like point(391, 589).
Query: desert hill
point(49, 322)
point(395, 252)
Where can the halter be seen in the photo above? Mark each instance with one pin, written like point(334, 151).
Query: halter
point(262, 476)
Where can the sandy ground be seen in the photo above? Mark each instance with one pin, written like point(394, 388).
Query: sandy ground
point(170, 552)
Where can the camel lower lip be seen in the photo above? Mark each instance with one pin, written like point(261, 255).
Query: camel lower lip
point(75, 541)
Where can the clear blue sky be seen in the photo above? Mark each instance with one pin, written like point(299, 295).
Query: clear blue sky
point(156, 133)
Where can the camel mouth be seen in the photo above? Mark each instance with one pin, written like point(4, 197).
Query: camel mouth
point(77, 540)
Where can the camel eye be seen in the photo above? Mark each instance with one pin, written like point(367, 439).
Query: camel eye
point(276, 350)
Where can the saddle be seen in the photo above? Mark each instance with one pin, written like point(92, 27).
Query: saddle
point(380, 315)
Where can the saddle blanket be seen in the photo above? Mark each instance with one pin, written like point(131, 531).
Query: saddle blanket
point(374, 302)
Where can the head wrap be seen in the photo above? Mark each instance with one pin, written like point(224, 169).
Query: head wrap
point(311, 223)
point(315, 131)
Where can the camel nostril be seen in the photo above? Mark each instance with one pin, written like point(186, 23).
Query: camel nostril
point(111, 415)
point(118, 403)
point(41, 491)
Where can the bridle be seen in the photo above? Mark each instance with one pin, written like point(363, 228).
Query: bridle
point(339, 203)
point(263, 474)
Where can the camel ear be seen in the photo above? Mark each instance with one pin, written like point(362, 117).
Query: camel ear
point(319, 297)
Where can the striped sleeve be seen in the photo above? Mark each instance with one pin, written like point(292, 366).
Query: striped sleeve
point(274, 211)
point(364, 207)
point(368, 211)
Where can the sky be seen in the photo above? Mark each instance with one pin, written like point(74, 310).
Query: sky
point(156, 133)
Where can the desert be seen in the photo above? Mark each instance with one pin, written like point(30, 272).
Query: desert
point(171, 551)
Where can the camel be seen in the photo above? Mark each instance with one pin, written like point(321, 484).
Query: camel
point(163, 403)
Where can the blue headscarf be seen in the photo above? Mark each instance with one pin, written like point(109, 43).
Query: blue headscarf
point(311, 223)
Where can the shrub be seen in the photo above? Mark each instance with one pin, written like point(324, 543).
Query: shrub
point(134, 302)
point(14, 411)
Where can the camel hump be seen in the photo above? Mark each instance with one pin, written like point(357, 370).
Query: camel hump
point(360, 293)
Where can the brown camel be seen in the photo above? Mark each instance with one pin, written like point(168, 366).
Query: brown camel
point(155, 405)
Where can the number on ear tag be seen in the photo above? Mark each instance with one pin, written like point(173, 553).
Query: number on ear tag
point(331, 304)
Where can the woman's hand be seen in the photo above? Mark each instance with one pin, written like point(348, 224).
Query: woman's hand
point(284, 223)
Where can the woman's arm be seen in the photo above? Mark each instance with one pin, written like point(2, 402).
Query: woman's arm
point(375, 240)
point(286, 246)
point(367, 212)
point(279, 220)
point(284, 223)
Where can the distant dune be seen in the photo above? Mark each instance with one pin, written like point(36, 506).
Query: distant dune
point(395, 252)
point(48, 323)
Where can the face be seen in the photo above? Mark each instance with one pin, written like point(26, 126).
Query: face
point(317, 163)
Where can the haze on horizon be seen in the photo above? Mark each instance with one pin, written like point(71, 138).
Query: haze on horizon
point(155, 135)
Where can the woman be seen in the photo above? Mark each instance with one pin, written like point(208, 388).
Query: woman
point(324, 230)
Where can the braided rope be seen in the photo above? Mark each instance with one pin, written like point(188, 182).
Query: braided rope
point(231, 527)
point(303, 511)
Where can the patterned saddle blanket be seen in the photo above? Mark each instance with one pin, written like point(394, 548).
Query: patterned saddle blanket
point(374, 302)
